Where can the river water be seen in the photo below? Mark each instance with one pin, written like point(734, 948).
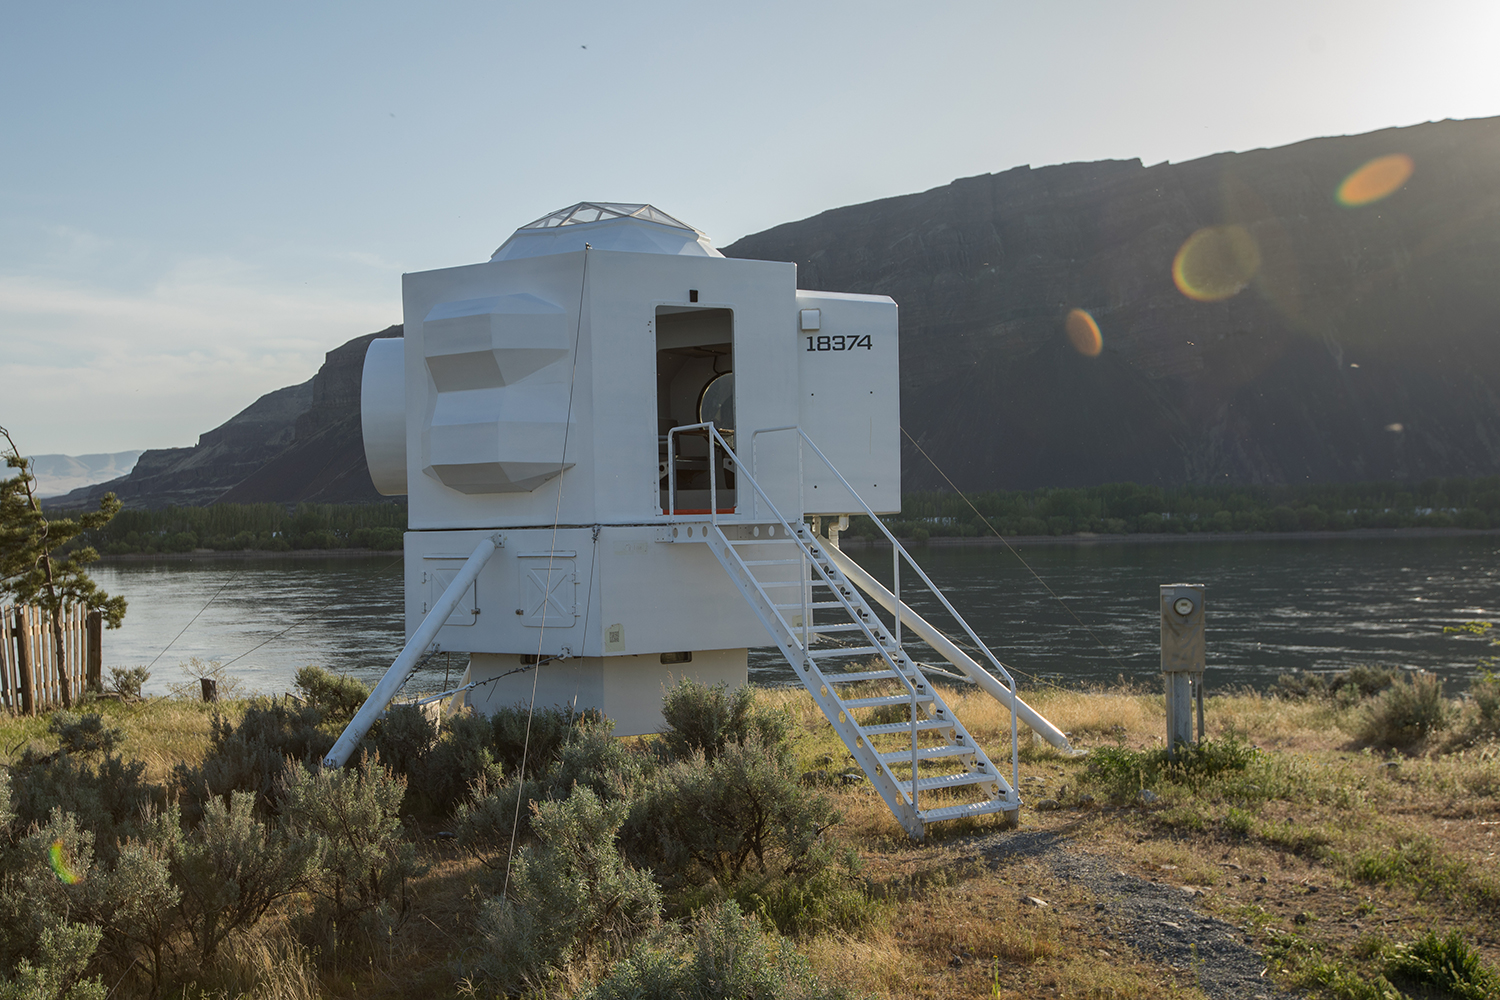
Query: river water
point(1272, 606)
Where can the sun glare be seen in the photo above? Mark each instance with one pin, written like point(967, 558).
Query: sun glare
point(1083, 333)
point(1380, 178)
point(1215, 263)
point(57, 856)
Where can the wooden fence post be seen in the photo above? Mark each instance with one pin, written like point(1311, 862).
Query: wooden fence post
point(95, 655)
point(26, 680)
point(7, 662)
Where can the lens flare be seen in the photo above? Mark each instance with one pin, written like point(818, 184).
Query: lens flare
point(1215, 263)
point(1381, 177)
point(57, 856)
point(1083, 333)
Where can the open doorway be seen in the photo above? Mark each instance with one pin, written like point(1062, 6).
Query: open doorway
point(695, 384)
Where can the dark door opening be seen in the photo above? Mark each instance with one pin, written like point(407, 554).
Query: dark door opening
point(695, 384)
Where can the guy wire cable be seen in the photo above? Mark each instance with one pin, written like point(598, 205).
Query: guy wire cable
point(300, 621)
point(1102, 645)
point(551, 555)
point(195, 618)
point(588, 600)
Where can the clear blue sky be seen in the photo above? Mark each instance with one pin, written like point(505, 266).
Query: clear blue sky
point(198, 200)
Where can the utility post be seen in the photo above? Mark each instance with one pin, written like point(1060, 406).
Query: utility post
point(1183, 652)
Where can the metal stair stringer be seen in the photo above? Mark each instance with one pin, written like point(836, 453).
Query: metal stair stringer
point(806, 630)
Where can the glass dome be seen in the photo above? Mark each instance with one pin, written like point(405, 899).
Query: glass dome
point(598, 211)
point(606, 225)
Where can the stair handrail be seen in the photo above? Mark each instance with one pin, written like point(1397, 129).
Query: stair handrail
point(898, 553)
point(713, 508)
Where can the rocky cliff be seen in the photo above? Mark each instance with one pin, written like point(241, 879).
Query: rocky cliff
point(301, 443)
point(1365, 343)
point(1275, 316)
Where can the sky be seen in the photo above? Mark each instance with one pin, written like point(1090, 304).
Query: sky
point(198, 200)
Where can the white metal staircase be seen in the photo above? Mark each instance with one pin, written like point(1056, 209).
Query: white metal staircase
point(914, 750)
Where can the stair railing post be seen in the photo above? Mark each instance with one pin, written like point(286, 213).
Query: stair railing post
point(713, 477)
point(671, 472)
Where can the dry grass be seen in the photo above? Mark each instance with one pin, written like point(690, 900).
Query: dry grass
point(1341, 846)
point(162, 732)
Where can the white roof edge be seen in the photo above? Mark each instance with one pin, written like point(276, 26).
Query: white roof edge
point(847, 296)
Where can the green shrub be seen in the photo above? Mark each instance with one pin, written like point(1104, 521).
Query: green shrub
point(1484, 694)
point(108, 799)
point(130, 903)
point(65, 951)
point(743, 825)
point(366, 860)
point(442, 764)
point(252, 757)
point(1360, 682)
point(1405, 714)
point(1345, 686)
point(588, 758)
point(128, 681)
point(1122, 773)
point(336, 696)
point(85, 734)
point(827, 892)
point(571, 895)
point(1447, 964)
point(136, 901)
point(404, 737)
point(534, 737)
point(703, 719)
point(725, 956)
point(233, 867)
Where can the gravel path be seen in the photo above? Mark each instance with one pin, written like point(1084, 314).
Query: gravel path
point(1157, 921)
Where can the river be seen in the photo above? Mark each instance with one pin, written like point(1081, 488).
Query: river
point(1272, 606)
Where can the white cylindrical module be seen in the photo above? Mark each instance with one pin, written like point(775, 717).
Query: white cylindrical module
point(382, 414)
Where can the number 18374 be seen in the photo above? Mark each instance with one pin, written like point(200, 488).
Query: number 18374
point(838, 342)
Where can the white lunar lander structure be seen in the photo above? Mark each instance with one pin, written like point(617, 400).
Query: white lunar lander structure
point(612, 438)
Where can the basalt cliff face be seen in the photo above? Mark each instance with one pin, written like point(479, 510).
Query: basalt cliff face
point(301, 443)
point(1365, 346)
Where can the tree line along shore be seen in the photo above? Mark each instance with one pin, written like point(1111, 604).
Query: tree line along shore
point(1113, 509)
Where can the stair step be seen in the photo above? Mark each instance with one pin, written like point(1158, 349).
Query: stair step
point(895, 699)
point(949, 781)
point(923, 726)
point(778, 540)
point(773, 562)
point(828, 654)
point(864, 675)
point(928, 753)
point(811, 606)
point(984, 808)
point(851, 627)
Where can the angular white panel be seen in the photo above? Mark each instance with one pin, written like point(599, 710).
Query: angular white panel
point(499, 416)
point(493, 342)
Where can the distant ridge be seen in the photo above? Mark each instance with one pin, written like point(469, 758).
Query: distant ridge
point(301, 443)
point(1367, 346)
point(58, 474)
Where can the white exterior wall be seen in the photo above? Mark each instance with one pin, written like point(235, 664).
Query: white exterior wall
point(850, 401)
point(661, 597)
point(628, 688)
point(489, 366)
